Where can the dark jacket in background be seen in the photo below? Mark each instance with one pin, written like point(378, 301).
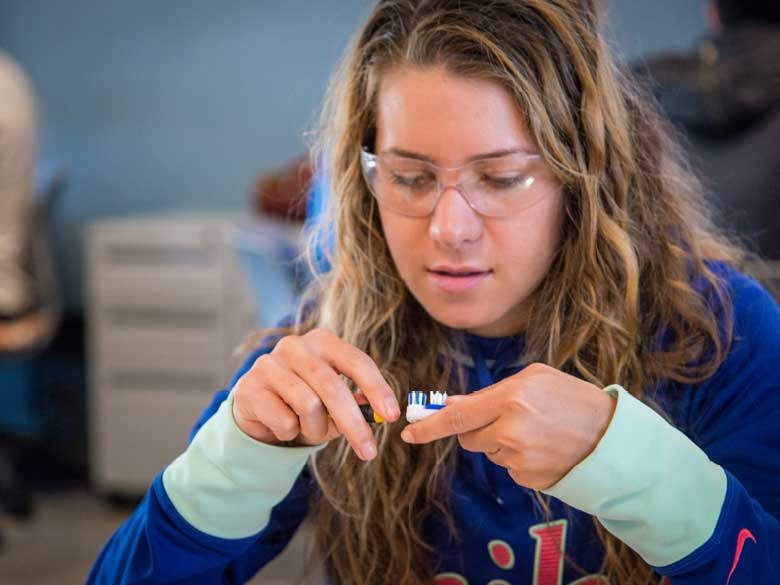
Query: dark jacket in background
point(725, 98)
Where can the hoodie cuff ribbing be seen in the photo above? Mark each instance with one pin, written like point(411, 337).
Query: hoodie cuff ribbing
point(648, 484)
point(226, 483)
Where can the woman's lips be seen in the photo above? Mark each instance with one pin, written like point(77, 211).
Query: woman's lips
point(452, 282)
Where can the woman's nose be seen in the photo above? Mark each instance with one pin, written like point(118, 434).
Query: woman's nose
point(454, 223)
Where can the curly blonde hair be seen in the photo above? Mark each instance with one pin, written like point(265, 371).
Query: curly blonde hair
point(636, 234)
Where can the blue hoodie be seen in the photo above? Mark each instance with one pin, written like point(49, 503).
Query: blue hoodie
point(699, 501)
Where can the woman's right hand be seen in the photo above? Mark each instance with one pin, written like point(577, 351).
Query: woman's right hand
point(295, 393)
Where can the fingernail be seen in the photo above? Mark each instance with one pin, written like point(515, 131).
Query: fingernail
point(368, 450)
point(391, 407)
point(406, 435)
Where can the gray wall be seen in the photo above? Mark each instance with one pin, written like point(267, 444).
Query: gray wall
point(639, 27)
point(178, 104)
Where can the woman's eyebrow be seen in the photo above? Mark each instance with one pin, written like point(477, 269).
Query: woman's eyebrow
point(481, 156)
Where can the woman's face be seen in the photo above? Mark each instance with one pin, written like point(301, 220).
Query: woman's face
point(449, 121)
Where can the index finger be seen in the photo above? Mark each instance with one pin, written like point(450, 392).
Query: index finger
point(466, 414)
point(362, 370)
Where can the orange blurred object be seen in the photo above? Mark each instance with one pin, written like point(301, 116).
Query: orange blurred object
point(284, 192)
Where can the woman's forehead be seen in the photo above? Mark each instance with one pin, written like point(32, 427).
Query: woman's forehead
point(446, 117)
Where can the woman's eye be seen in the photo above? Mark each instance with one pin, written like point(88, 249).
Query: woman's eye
point(412, 181)
point(508, 182)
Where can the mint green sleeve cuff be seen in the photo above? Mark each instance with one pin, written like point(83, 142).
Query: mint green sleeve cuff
point(226, 483)
point(648, 484)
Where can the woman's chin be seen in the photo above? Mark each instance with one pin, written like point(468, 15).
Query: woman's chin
point(460, 318)
point(479, 319)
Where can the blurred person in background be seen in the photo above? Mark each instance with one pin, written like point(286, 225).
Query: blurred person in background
point(23, 322)
point(725, 98)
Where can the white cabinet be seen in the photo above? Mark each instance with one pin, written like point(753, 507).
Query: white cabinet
point(167, 308)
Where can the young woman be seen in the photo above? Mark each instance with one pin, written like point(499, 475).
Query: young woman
point(512, 224)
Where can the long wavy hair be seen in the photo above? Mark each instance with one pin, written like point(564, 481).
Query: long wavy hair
point(634, 264)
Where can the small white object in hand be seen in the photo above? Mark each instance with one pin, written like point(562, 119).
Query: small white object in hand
point(419, 406)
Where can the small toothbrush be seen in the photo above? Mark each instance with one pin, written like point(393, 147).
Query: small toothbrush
point(420, 406)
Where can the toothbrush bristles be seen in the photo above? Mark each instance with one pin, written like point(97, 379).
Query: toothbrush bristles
point(417, 397)
point(438, 398)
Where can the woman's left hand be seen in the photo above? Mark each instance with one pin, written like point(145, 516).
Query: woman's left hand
point(538, 424)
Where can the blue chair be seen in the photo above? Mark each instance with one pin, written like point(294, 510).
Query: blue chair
point(315, 207)
point(267, 257)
